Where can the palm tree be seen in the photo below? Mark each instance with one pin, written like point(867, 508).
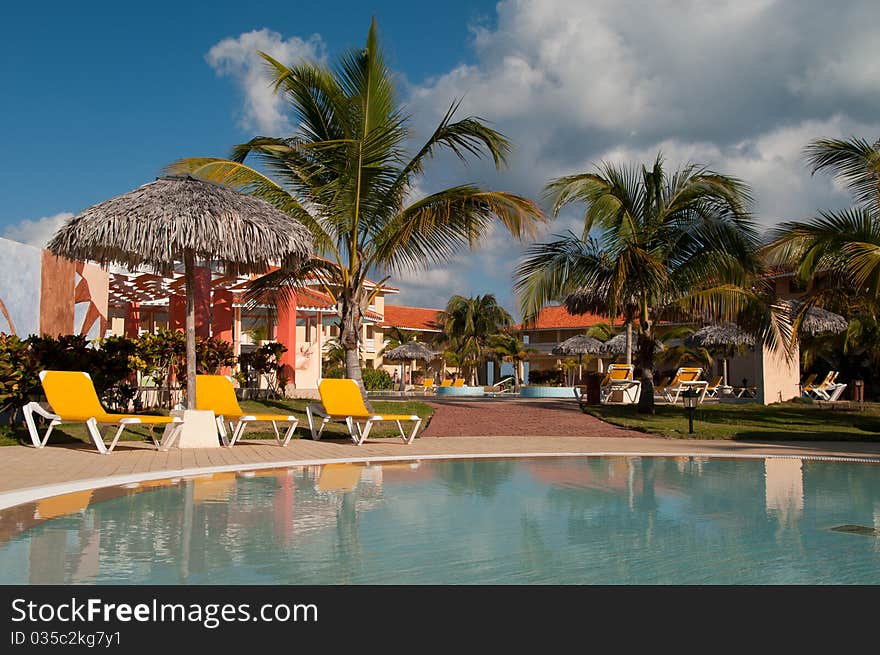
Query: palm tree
point(509, 347)
point(838, 250)
point(468, 324)
point(345, 173)
point(669, 246)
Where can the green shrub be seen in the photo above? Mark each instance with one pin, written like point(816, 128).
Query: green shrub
point(376, 379)
point(335, 373)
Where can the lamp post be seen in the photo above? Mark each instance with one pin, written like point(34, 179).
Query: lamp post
point(691, 398)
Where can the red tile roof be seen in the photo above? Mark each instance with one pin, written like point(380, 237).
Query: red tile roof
point(411, 318)
point(557, 318)
point(311, 300)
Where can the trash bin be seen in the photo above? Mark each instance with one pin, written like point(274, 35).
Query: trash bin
point(858, 391)
point(594, 382)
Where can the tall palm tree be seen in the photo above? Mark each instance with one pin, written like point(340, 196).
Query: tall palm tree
point(346, 174)
point(838, 250)
point(468, 324)
point(677, 245)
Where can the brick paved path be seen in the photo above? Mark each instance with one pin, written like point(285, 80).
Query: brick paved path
point(527, 418)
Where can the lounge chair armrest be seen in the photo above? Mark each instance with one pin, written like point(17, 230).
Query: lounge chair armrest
point(38, 408)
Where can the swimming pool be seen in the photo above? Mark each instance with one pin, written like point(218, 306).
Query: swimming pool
point(605, 520)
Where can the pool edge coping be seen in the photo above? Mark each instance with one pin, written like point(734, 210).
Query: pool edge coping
point(11, 499)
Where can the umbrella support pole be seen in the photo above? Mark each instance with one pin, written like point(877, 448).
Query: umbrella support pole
point(190, 283)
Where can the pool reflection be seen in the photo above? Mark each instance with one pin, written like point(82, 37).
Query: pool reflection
point(560, 520)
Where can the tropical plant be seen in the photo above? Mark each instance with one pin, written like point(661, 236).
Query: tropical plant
point(376, 379)
point(333, 354)
point(677, 245)
point(161, 357)
point(345, 173)
point(509, 347)
point(18, 373)
point(838, 251)
point(213, 354)
point(265, 361)
point(468, 324)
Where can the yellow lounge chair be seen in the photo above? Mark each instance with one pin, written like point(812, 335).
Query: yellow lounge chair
point(342, 401)
point(619, 379)
point(808, 383)
point(685, 378)
point(216, 393)
point(716, 387)
point(459, 382)
point(72, 397)
point(828, 389)
point(446, 383)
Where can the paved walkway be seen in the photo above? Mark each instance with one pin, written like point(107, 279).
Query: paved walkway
point(504, 429)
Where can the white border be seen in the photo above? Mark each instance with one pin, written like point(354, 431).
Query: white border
point(31, 494)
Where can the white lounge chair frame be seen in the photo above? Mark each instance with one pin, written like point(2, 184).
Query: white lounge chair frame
point(358, 431)
point(237, 429)
point(630, 390)
point(672, 394)
point(92, 426)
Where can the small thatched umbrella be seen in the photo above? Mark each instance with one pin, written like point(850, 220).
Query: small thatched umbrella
point(408, 352)
point(579, 345)
point(180, 218)
point(616, 345)
point(724, 337)
point(821, 321)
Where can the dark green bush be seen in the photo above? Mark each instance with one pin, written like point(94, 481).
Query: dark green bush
point(376, 379)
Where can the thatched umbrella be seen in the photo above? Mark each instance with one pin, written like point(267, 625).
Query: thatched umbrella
point(724, 336)
point(181, 218)
point(819, 321)
point(408, 352)
point(579, 345)
point(616, 345)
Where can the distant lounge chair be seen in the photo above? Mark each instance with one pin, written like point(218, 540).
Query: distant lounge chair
point(342, 401)
point(459, 382)
point(685, 378)
point(216, 393)
point(72, 397)
point(808, 383)
point(428, 386)
point(716, 389)
point(829, 389)
point(446, 383)
point(619, 382)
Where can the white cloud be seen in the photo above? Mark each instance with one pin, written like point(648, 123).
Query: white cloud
point(739, 85)
point(36, 232)
point(238, 58)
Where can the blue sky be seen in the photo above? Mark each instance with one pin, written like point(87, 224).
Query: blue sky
point(98, 96)
point(103, 94)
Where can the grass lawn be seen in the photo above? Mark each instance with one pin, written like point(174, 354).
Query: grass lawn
point(77, 432)
point(792, 421)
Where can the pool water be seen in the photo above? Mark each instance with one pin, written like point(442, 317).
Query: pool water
point(601, 520)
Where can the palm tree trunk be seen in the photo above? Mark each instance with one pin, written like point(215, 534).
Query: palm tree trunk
point(629, 342)
point(190, 284)
point(646, 360)
point(349, 338)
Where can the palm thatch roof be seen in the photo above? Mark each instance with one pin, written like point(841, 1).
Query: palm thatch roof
point(617, 345)
point(720, 335)
point(582, 301)
point(156, 223)
point(579, 344)
point(410, 350)
point(817, 320)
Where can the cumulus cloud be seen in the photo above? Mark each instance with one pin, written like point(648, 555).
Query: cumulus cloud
point(238, 58)
point(36, 232)
point(739, 85)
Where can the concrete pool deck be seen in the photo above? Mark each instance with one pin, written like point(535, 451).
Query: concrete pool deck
point(507, 429)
